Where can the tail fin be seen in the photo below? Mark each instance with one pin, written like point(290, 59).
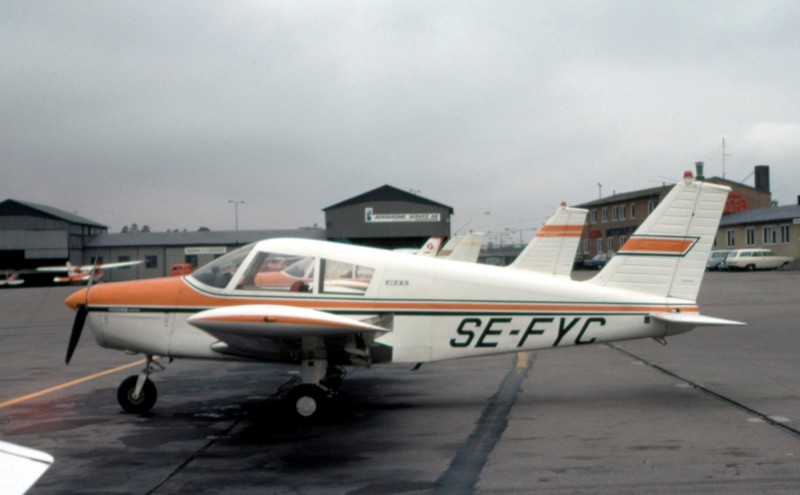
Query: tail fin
point(431, 246)
point(466, 247)
point(553, 248)
point(667, 254)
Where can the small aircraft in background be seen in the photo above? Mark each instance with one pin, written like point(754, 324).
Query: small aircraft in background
point(365, 306)
point(552, 250)
point(20, 467)
point(11, 279)
point(82, 274)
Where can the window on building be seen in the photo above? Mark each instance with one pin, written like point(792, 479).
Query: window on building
point(633, 210)
point(651, 205)
point(604, 215)
point(785, 233)
point(594, 215)
point(599, 245)
point(586, 246)
point(614, 213)
point(610, 244)
point(730, 238)
point(622, 212)
point(770, 235)
point(151, 261)
point(622, 240)
point(750, 236)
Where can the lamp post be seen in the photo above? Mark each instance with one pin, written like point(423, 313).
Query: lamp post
point(236, 211)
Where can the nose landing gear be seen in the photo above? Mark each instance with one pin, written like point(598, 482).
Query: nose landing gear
point(137, 394)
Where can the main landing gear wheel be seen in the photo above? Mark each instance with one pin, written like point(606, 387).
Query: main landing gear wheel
point(307, 402)
point(136, 405)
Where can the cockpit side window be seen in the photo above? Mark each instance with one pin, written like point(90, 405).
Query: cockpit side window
point(220, 271)
point(340, 277)
point(280, 273)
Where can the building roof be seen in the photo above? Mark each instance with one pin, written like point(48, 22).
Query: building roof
point(761, 215)
point(205, 238)
point(387, 193)
point(627, 196)
point(54, 212)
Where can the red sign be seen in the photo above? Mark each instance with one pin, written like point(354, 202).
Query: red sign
point(735, 203)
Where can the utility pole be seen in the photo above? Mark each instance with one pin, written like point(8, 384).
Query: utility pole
point(723, 157)
point(236, 211)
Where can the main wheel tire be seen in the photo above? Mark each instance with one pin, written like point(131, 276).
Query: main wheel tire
point(750, 268)
point(307, 402)
point(145, 401)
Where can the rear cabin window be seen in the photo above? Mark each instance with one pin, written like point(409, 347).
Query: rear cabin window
point(339, 277)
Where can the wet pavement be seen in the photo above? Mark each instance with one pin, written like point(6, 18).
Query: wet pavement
point(714, 411)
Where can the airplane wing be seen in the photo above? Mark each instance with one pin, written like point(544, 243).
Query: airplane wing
point(552, 250)
point(20, 467)
point(265, 331)
point(87, 268)
point(106, 266)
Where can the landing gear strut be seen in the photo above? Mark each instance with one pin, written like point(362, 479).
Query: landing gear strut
point(137, 394)
point(310, 399)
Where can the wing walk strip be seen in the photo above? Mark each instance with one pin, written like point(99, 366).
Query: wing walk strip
point(767, 419)
point(468, 463)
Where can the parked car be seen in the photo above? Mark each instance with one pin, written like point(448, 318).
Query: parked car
point(716, 260)
point(598, 261)
point(755, 259)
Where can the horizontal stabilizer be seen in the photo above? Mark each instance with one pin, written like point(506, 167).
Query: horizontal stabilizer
point(694, 320)
point(275, 321)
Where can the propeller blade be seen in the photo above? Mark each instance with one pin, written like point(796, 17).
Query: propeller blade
point(77, 328)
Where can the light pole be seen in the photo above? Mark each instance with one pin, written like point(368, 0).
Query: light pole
point(236, 211)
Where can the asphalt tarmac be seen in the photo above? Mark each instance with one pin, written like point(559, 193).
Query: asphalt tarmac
point(714, 411)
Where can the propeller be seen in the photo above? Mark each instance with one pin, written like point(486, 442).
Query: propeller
point(80, 319)
point(77, 328)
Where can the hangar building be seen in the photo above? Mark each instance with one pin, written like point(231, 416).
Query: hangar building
point(387, 217)
point(34, 235)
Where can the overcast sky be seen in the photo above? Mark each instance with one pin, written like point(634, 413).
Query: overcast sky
point(160, 113)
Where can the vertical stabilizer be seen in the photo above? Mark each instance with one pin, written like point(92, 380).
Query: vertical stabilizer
point(466, 249)
point(552, 250)
point(667, 254)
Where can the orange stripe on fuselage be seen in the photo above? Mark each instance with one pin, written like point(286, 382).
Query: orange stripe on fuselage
point(176, 293)
point(560, 231)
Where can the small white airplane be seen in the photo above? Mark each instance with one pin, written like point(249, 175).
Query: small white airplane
point(82, 274)
point(20, 467)
point(11, 279)
point(365, 306)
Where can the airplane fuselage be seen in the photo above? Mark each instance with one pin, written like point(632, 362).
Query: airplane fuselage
point(440, 309)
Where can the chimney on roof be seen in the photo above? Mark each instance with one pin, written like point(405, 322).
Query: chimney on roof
point(699, 167)
point(762, 178)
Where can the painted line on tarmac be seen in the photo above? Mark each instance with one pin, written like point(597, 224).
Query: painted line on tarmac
point(775, 421)
point(468, 463)
point(46, 391)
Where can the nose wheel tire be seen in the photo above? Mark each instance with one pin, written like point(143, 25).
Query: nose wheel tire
point(142, 404)
point(307, 402)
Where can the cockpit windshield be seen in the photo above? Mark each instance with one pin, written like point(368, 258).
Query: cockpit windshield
point(220, 271)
